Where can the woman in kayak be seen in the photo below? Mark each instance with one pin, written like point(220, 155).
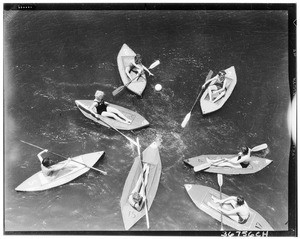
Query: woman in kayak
point(240, 212)
point(48, 167)
point(137, 197)
point(241, 161)
point(137, 67)
point(217, 86)
point(103, 108)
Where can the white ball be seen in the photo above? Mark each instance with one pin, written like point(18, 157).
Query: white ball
point(158, 87)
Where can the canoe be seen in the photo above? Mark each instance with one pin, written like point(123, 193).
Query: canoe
point(256, 164)
point(39, 182)
point(125, 56)
point(152, 158)
point(138, 121)
point(201, 195)
point(207, 106)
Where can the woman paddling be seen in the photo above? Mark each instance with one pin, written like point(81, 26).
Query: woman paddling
point(241, 161)
point(240, 212)
point(137, 67)
point(48, 167)
point(100, 107)
point(217, 86)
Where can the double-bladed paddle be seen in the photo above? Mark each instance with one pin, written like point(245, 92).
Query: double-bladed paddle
point(188, 116)
point(209, 164)
point(220, 182)
point(119, 89)
point(146, 206)
point(103, 172)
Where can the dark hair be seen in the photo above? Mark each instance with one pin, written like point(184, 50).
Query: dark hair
point(222, 73)
point(47, 162)
point(136, 197)
point(245, 150)
point(138, 59)
point(240, 200)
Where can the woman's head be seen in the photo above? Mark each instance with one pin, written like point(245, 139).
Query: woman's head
point(240, 200)
point(222, 73)
point(138, 59)
point(47, 162)
point(99, 95)
point(245, 150)
point(136, 197)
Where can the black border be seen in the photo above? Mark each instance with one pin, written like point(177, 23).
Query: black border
point(291, 7)
point(292, 175)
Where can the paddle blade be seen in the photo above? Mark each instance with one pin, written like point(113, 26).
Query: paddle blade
point(259, 147)
point(154, 64)
point(202, 167)
point(118, 90)
point(209, 75)
point(220, 179)
point(186, 120)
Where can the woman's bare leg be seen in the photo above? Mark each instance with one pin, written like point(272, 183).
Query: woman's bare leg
point(118, 113)
point(210, 91)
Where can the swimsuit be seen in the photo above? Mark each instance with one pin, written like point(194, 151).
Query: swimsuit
point(101, 106)
point(131, 67)
point(134, 69)
point(219, 83)
point(244, 164)
point(46, 171)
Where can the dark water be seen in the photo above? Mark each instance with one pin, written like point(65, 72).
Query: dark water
point(55, 57)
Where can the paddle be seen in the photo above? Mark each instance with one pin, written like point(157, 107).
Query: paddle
point(209, 164)
point(103, 172)
point(146, 207)
point(110, 126)
point(119, 89)
point(220, 182)
point(188, 116)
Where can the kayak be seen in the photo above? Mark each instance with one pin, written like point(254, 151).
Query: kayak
point(125, 56)
point(202, 197)
point(72, 170)
point(152, 158)
point(207, 106)
point(256, 164)
point(138, 121)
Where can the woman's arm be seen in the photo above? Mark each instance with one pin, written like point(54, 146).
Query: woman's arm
point(223, 87)
point(210, 80)
point(40, 155)
point(145, 68)
point(244, 157)
point(229, 212)
point(227, 199)
point(93, 106)
point(127, 69)
point(59, 167)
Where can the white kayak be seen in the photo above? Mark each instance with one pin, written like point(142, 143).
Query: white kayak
point(39, 182)
point(138, 121)
point(152, 158)
point(125, 56)
point(208, 106)
point(202, 197)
